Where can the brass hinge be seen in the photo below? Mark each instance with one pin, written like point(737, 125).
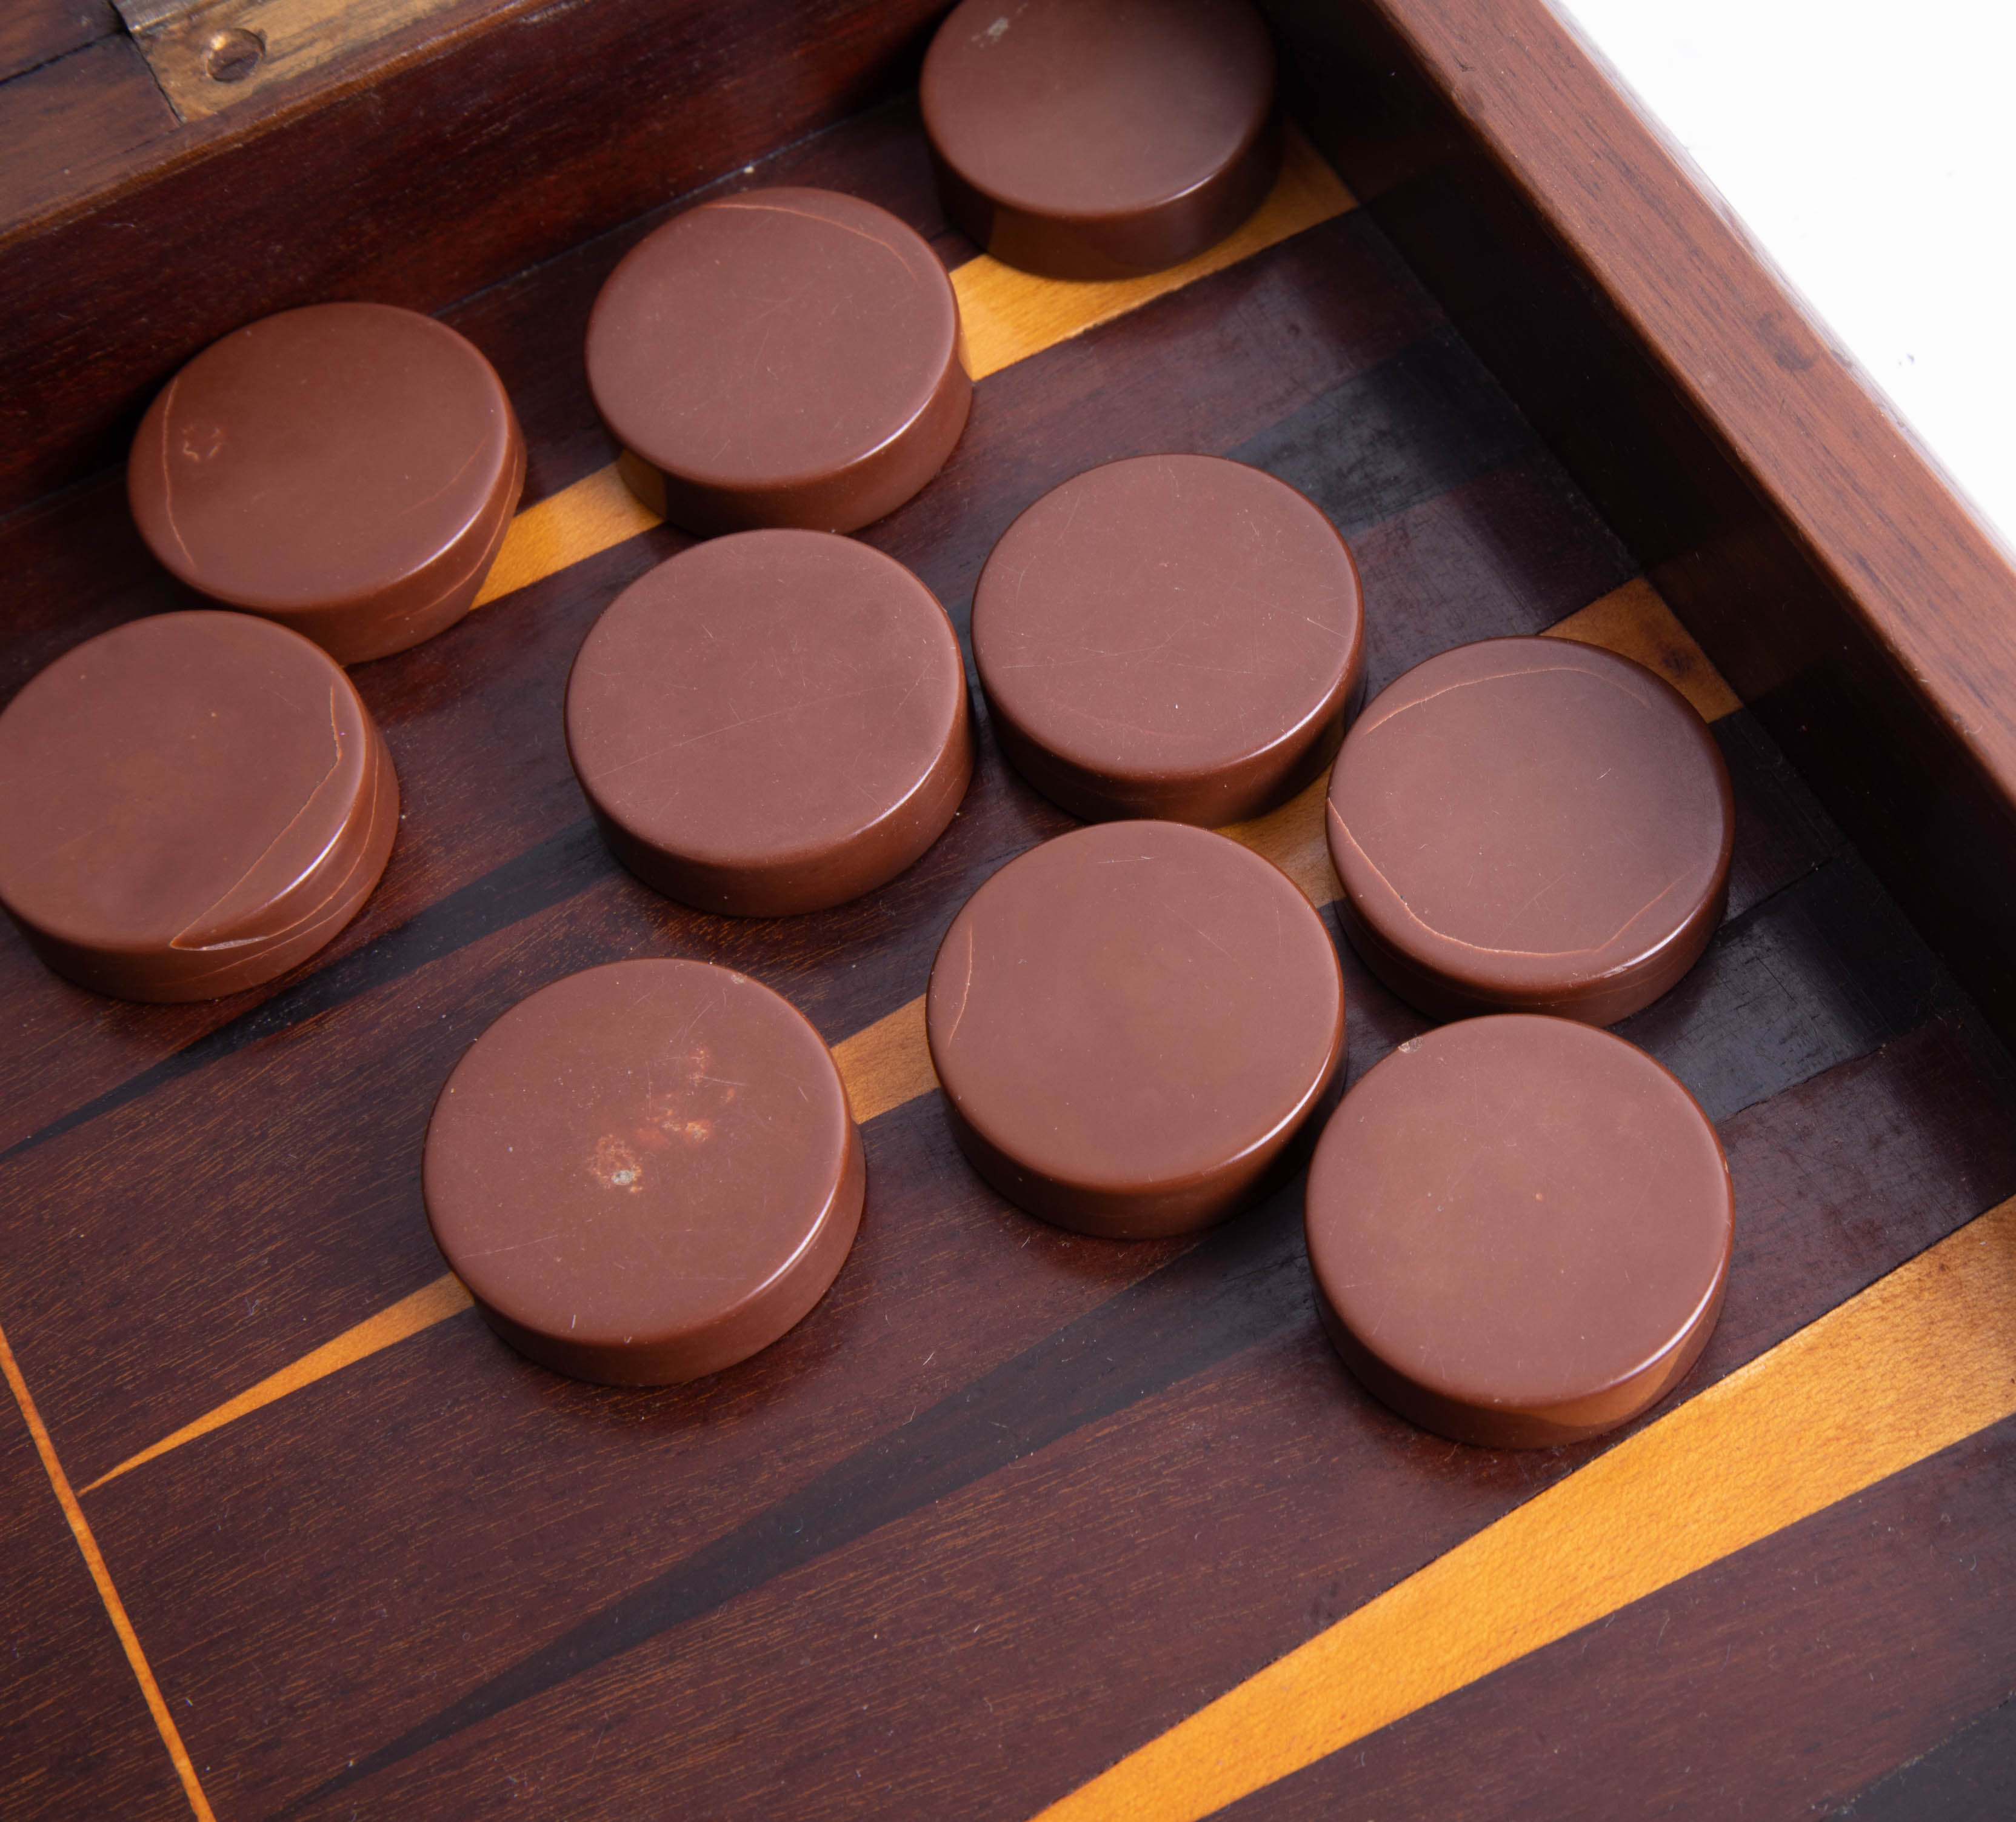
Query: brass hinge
point(208, 55)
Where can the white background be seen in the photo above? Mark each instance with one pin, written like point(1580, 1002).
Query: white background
point(1870, 147)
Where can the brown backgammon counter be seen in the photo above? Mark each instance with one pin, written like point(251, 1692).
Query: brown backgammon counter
point(1019, 1521)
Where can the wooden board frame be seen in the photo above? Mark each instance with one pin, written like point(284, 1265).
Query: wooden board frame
point(1795, 527)
point(263, 1476)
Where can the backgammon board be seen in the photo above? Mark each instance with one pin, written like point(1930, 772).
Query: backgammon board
point(1018, 1522)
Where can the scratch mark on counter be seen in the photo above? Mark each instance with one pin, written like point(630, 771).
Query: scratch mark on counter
point(894, 252)
point(966, 987)
point(307, 803)
point(168, 475)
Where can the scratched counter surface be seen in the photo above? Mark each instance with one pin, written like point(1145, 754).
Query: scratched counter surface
point(1018, 1522)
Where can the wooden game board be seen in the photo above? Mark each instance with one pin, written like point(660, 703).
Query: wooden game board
point(1017, 1522)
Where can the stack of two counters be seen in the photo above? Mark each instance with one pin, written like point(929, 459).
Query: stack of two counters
point(193, 804)
point(189, 805)
point(348, 470)
point(649, 1172)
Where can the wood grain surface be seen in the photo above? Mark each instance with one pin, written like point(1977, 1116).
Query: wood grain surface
point(293, 40)
point(1011, 1504)
point(74, 121)
point(94, 1560)
point(34, 32)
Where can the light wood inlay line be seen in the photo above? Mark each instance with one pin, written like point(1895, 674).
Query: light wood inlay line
point(595, 514)
point(1920, 1360)
point(1006, 316)
point(115, 1608)
point(1635, 622)
point(888, 1063)
point(433, 1303)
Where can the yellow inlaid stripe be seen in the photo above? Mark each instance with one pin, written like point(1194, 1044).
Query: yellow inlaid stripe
point(1917, 1362)
point(115, 1608)
point(434, 1303)
point(564, 528)
point(1005, 316)
point(883, 1066)
point(888, 1063)
point(1293, 838)
point(1636, 622)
